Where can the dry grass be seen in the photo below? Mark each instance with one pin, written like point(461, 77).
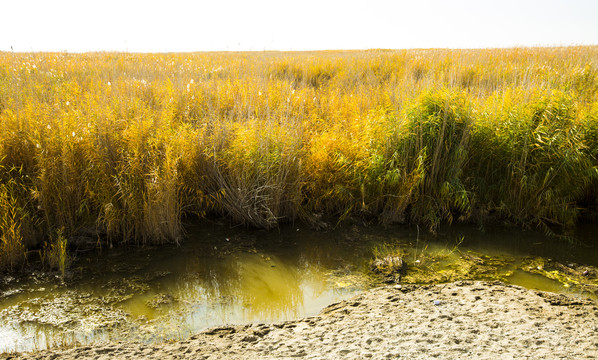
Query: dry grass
point(131, 143)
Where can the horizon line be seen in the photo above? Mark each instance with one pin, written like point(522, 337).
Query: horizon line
point(100, 51)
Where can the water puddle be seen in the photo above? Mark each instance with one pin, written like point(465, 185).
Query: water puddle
point(228, 276)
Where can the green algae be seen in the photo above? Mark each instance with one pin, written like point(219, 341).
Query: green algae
point(571, 275)
point(467, 265)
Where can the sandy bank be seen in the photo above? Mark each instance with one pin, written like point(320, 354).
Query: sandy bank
point(475, 320)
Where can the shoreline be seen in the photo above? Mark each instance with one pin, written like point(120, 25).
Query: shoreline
point(480, 320)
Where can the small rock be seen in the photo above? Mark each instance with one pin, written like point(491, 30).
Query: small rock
point(437, 302)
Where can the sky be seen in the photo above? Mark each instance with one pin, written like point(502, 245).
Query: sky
point(236, 25)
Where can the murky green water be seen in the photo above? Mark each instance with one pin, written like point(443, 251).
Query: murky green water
point(223, 276)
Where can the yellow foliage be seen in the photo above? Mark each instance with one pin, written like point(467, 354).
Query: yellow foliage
point(129, 143)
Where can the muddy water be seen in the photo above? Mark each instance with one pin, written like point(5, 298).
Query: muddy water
point(223, 276)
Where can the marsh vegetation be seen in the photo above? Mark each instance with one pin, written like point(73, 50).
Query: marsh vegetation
point(123, 148)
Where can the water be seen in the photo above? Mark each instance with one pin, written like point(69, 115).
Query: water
point(229, 276)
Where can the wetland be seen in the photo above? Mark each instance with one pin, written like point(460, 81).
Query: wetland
point(225, 276)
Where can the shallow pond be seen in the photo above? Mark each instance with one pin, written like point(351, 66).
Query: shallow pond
point(221, 276)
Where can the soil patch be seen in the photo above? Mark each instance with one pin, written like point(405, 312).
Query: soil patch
point(480, 320)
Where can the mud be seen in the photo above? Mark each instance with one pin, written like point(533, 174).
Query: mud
point(479, 320)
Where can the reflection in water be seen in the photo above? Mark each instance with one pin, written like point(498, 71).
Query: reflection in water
point(268, 289)
point(223, 276)
point(241, 286)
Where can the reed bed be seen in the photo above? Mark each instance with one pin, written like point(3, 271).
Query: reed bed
point(130, 145)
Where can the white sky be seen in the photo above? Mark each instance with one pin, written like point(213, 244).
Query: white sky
point(181, 25)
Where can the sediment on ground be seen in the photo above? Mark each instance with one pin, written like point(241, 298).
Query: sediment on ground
point(476, 320)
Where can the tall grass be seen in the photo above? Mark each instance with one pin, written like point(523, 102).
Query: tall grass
point(131, 144)
point(11, 237)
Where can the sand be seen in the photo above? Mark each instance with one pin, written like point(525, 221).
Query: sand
point(462, 320)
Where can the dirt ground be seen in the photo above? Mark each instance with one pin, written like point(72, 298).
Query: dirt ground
point(474, 320)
